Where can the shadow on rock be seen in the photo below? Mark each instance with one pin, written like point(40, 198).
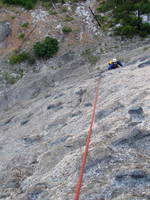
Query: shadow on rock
point(104, 113)
point(131, 139)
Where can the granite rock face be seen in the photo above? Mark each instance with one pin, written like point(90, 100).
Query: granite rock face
point(43, 133)
point(4, 30)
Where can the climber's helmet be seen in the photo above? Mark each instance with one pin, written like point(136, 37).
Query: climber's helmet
point(114, 60)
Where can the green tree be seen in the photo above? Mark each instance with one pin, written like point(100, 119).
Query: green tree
point(28, 4)
point(128, 13)
point(46, 48)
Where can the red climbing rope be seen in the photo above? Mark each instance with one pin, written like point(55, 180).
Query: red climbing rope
point(82, 168)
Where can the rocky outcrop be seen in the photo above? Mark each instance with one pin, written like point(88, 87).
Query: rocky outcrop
point(43, 133)
point(30, 87)
point(4, 30)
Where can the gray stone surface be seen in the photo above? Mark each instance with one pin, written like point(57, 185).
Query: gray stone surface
point(4, 30)
point(43, 134)
point(144, 64)
point(45, 119)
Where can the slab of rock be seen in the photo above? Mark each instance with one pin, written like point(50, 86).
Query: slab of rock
point(135, 139)
point(144, 64)
point(4, 30)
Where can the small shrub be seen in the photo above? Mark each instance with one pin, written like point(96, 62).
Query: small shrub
point(64, 9)
point(30, 4)
point(17, 58)
point(25, 25)
point(21, 36)
point(67, 29)
point(13, 17)
point(145, 48)
point(52, 12)
point(68, 18)
point(46, 48)
point(12, 80)
point(47, 5)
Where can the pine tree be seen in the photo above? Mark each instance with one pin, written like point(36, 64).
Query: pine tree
point(128, 13)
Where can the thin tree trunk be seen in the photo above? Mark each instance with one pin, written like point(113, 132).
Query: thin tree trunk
point(139, 20)
point(54, 6)
point(95, 17)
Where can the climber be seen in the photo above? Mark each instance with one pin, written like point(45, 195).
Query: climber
point(113, 64)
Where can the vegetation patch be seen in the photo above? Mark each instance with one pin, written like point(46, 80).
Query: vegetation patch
point(21, 36)
point(18, 58)
point(126, 16)
point(1, 4)
point(64, 9)
point(13, 17)
point(145, 48)
point(46, 48)
point(42, 49)
point(47, 4)
point(52, 12)
point(28, 4)
point(25, 25)
point(66, 29)
point(68, 18)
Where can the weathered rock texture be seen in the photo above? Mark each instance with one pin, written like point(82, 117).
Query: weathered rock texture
point(4, 30)
point(43, 133)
